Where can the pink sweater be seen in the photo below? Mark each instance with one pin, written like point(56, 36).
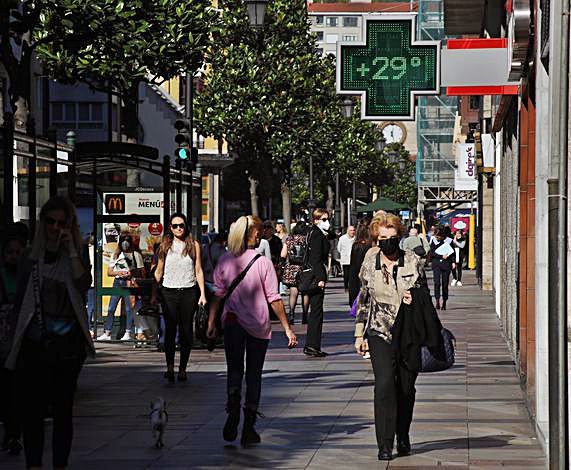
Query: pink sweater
point(249, 301)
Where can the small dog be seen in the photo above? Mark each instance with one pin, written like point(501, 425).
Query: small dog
point(159, 419)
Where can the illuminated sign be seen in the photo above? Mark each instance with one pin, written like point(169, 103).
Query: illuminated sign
point(390, 68)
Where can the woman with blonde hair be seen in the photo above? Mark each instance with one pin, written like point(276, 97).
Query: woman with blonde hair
point(393, 302)
point(51, 339)
point(246, 283)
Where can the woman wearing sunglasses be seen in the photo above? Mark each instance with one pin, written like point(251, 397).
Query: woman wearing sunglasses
point(179, 272)
point(127, 264)
point(51, 338)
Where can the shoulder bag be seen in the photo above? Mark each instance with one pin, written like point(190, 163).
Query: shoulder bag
point(307, 282)
point(429, 363)
point(231, 289)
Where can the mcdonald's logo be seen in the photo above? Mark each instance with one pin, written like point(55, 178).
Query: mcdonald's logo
point(115, 203)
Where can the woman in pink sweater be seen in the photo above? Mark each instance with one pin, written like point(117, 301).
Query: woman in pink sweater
point(246, 322)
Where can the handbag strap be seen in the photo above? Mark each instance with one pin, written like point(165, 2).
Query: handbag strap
point(306, 254)
point(239, 278)
point(37, 299)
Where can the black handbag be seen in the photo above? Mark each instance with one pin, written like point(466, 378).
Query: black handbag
point(431, 364)
point(307, 282)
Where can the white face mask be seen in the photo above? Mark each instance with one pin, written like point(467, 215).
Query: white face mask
point(324, 225)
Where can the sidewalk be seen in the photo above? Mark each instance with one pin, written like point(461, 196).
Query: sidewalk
point(318, 412)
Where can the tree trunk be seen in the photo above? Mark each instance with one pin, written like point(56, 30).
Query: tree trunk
point(254, 195)
point(344, 223)
point(130, 114)
point(286, 204)
point(330, 198)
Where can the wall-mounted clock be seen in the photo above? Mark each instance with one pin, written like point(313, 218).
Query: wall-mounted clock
point(394, 132)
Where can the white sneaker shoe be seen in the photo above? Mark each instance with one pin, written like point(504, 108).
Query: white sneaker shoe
point(106, 336)
point(459, 284)
point(453, 283)
point(367, 355)
point(126, 336)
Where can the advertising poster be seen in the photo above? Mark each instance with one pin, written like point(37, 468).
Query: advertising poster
point(145, 235)
point(466, 172)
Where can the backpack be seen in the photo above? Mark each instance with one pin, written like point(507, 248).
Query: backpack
point(296, 253)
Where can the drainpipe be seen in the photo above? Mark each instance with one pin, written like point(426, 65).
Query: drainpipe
point(557, 183)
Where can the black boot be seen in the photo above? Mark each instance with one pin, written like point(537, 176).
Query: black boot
point(444, 305)
point(249, 434)
point(403, 446)
point(230, 432)
point(437, 304)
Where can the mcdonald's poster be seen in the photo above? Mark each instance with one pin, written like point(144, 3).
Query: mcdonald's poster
point(144, 235)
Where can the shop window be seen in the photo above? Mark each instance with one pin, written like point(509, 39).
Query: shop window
point(350, 21)
point(474, 103)
point(77, 115)
point(320, 36)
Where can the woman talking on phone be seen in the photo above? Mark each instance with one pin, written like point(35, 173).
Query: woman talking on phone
point(246, 283)
point(51, 338)
point(179, 273)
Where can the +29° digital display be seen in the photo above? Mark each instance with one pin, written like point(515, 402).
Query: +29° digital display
point(391, 68)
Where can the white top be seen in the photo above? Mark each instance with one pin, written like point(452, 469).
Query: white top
point(179, 270)
point(264, 248)
point(344, 247)
point(128, 261)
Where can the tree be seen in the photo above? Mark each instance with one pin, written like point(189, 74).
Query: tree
point(266, 93)
point(108, 44)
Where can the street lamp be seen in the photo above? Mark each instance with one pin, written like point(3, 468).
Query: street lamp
point(381, 141)
point(348, 107)
point(256, 12)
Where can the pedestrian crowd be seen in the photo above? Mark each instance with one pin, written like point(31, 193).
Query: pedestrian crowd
point(223, 289)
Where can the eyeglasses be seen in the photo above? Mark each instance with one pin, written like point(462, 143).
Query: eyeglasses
point(325, 219)
point(175, 226)
point(52, 221)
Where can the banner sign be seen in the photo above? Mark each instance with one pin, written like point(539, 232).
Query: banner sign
point(465, 178)
point(390, 68)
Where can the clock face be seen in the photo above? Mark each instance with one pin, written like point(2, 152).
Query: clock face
point(393, 133)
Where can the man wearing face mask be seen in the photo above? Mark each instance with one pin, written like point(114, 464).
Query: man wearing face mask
point(317, 258)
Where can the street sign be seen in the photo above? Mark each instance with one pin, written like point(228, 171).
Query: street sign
point(389, 68)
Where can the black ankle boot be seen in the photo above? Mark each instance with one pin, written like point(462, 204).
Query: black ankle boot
point(386, 453)
point(437, 304)
point(444, 305)
point(230, 432)
point(249, 434)
point(403, 446)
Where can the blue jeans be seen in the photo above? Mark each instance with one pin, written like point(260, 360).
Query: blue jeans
point(90, 305)
point(114, 302)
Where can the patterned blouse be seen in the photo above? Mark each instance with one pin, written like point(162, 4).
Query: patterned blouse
point(382, 291)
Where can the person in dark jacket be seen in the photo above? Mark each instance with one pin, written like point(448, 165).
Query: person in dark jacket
point(318, 246)
point(442, 266)
point(389, 276)
point(358, 251)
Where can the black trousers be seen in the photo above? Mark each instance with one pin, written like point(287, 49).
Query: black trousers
point(394, 393)
point(179, 308)
point(9, 405)
point(315, 320)
point(345, 276)
point(441, 275)
point(44, 380)
point(457, 271)
point(238, 343)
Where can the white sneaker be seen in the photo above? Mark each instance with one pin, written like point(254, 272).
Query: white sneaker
point(367, 355)
point(106, 336)
point(126, 336)
point(453, 283)
point(459, 284)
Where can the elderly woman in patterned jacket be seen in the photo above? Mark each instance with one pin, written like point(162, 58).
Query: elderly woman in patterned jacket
point(388, 274)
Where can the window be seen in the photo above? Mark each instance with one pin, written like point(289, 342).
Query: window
point(320, 36)
point(332, 21)
point(349, 37)
point(350, 21)
point(318, 20)
point(77, 115)
point(474, 102)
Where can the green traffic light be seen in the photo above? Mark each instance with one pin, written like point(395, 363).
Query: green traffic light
point(182, 153)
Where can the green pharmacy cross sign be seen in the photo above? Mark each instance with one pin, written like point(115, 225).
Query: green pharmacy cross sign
point(389, 68)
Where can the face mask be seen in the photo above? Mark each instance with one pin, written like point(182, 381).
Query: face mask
point(125, 246)
point(324, 225)
point(389, 246)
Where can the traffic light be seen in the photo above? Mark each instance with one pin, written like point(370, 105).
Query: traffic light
point(183, 139)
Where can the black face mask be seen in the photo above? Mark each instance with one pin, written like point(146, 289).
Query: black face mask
point(389, 246)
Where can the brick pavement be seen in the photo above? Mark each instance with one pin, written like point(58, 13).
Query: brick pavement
point(318, 412)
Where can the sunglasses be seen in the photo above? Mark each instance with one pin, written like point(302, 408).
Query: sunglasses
point(175, 226)
point(52, 221)
point(325, 219)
